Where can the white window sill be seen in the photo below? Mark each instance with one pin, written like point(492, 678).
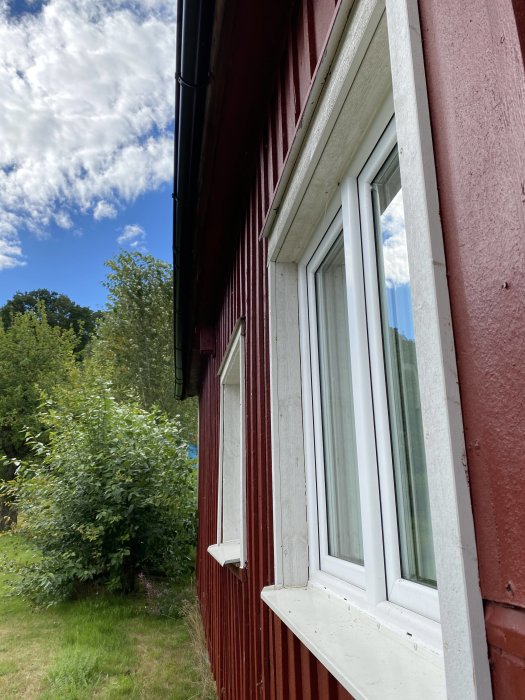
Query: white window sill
point(226, 553)
point(371, 661)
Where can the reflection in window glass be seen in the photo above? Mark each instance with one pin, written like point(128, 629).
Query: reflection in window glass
point(345, 539)
point(410, 474)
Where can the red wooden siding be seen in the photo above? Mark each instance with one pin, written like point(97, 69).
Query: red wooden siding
point(476, 82)
point(307, 36)
point(474, 65)
point(253, 655)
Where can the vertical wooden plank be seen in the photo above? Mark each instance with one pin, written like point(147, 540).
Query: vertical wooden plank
point(278, 132)
point(264, 175)
point(280, 659)
point(294, 678)
point(308, 680)
point(290, 93)
point(270, 690)
point(310, 32)
point(323, 681)
point(273, 151)
point(302, 59)
point(323, 12)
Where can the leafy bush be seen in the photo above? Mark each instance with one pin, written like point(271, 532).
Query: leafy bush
point(108, 494)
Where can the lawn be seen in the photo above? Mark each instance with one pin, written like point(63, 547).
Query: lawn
point(100, 647)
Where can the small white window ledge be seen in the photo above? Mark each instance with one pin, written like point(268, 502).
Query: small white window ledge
point(371, 661)
point(226, 553)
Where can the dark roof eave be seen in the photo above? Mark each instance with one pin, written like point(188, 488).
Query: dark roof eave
point(194, 35)
point(220, 153)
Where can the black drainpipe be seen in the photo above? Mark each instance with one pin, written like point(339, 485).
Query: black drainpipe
point(194, 32)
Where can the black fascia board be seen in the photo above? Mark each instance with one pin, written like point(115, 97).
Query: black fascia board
point(194, 36)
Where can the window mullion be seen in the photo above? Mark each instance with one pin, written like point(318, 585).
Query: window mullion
point(364, 418)
point(386, 488)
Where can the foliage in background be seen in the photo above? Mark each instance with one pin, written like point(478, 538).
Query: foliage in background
point(105, 485)
point(34, 357)
point(109, 494)
point(134, 345)
point(60, 311)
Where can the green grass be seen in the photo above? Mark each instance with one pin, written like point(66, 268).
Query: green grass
point(104, 647)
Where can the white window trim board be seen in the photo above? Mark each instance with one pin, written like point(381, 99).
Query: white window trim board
point(323, 71)
point(464, 644)
point(464, 641)
point(233, 551)
point(289, 507)
point(334, 101)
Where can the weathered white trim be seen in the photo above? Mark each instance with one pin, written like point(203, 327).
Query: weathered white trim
point(288, 475)
point(464, 643)
point(349, 90)
point(349, 103)
point(324, 70)
point(234, 550)
point(226, 553)
point(371, 661)
point(238, 330)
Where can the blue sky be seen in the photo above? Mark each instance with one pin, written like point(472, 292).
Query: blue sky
point(86, 154)
point(396, 270)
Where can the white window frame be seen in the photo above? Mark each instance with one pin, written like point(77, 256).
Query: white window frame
point(320, 559)
point(377, 491)
point(359, 214)
point(383, 650)
point(232, 551)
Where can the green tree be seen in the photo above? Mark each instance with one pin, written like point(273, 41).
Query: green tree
point(109, 494)
point(134, 345)
point(34, 357)
point(60, 311)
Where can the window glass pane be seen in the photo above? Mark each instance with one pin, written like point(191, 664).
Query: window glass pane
point(345, 540)
point(410, 475)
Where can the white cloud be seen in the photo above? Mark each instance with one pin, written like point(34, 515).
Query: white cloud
point(10, 252)
point(87, 107)
point(63, 220)
point(104, 210)
point(395, 257)
point(133, 235)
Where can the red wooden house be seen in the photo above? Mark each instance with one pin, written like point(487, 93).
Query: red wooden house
point(349, 248)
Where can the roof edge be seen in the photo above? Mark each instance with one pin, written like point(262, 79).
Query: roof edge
point(194, 38)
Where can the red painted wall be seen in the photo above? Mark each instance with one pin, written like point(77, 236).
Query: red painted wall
point(254, 655)
point(476, 82)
